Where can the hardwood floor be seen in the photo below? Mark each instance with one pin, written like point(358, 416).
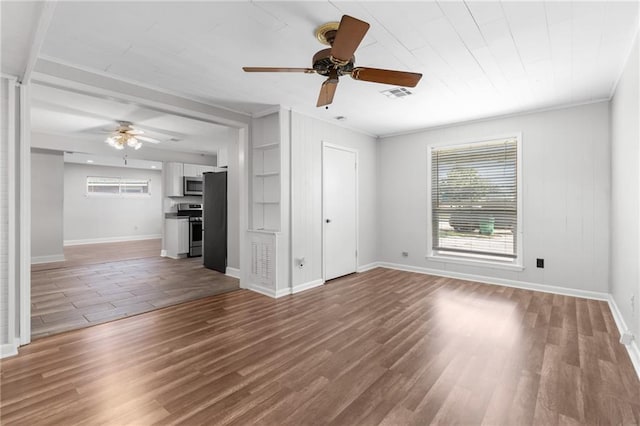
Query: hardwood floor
point(382, 347)
point(98, 284)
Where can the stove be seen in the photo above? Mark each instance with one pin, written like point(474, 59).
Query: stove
point(194, 211)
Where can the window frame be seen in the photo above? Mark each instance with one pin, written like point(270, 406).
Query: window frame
point(119, 194)
point(473, 260)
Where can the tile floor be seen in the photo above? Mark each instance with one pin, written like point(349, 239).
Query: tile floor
point(86, 292)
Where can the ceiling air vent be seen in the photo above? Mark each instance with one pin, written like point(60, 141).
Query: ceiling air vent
point(397, 92)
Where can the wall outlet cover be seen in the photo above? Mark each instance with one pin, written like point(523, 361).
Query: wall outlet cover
point(626, 338)
point(540, 263)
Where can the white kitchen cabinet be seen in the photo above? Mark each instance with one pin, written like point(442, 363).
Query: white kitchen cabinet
point(196, 170)
point(173, 173)
point(177, 237)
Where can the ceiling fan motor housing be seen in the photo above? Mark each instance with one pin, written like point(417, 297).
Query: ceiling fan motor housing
point(323, 63)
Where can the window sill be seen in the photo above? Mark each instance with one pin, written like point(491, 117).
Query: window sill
point(480, 263)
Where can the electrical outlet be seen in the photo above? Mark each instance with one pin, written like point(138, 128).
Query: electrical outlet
point(405, 254)
point(626, 338)
point(540, 263)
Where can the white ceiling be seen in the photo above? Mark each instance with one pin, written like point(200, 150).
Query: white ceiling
point(479, 59)
point(78, 115)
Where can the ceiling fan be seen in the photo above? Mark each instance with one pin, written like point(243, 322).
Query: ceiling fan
point(344, 37)
point(126, 134)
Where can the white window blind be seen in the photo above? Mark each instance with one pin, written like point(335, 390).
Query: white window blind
point(117, 186)
point(474, 199)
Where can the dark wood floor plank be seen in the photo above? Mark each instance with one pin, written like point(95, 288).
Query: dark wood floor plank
point(382, 347)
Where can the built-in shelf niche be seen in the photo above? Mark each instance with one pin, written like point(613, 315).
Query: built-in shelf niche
point(266, 177)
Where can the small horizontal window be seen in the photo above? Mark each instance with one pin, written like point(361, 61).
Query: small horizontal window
point(114, 186)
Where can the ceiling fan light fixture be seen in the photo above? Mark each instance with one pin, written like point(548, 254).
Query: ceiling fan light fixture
point(131, 140)
point(122, 138)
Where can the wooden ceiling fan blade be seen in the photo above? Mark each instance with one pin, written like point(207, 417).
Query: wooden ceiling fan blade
point(348, 37)
point(275, 69)
point(377, 75)
point(327, 91)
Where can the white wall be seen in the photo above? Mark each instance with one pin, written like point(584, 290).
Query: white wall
point(233, 204)
point(94, 218)
point(47, 197)
point(566, 176)
point(625, 196)
point(307, 135)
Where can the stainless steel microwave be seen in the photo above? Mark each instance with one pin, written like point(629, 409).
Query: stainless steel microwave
point(192, 185)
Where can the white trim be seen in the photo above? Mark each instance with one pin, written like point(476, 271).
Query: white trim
point(480, 263)
point(11, 78)
point(111, 239)
point(232, 272)
point(267, 111)
point(143, 85)
point(163, 253)
point(307, 286)
point(264, 290)
point(636, 40)
point(8, 349)
point(368, 267)
point(633, 349)
point(357, 212)
point(283, 292)
point(104, 74)
point(586, 294)
point(517, 264)
point(47, 259)
point(494, 117)
point(12, 211)
point(46, 15)
point(25, 215)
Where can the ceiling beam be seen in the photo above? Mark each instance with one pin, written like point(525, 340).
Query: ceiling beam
point(46, 15)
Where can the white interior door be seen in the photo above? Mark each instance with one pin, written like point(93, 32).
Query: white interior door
point(339, 201)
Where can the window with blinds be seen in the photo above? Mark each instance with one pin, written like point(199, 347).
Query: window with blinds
point(474, 200)
point(113, 186)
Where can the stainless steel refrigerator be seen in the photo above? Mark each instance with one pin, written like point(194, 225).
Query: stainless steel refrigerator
point(214, 218)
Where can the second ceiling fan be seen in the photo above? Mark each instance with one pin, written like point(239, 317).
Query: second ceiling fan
point(344, 37)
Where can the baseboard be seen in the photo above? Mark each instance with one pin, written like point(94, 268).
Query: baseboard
point(307, 286)
point(633, 348)
point(8, 349)
point(112, 239)
point(262, 290)
point(47, 259)
point(232, 272)
point(368, 267)
point(163, 253)
point(282, 292)
point(585, 294)
point(269, 291)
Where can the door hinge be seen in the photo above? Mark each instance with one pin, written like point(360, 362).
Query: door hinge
point(356, 253)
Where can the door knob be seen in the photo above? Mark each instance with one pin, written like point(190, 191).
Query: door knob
point(328, 220)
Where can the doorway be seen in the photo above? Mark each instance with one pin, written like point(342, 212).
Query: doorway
point(95, 277)
point(340, 210)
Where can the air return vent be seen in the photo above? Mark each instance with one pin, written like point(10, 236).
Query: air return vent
point(397, 92)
